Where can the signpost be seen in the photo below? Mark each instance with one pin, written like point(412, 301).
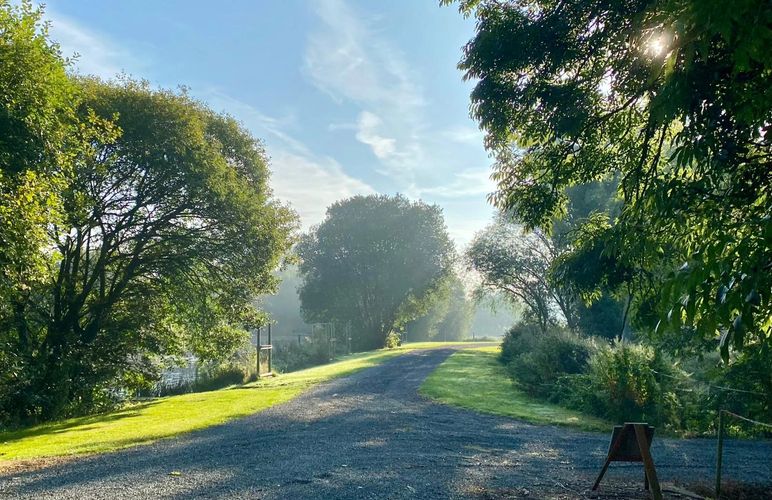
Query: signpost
point(631, 442)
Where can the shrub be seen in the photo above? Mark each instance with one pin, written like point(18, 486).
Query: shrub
point(518, 340)
point(291, 356)
point(538, 361)
point(220, 376)
point(631, 382)
point(393, 340)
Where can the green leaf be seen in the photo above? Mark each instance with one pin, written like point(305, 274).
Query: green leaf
point(737, 324)
point(721, 295)
point(723, 344)
point(753, 298)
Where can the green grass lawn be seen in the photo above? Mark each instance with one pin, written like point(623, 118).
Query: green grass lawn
point(474, 379)
point(146, 422)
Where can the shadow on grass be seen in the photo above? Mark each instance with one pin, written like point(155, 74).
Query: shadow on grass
point(87, 422)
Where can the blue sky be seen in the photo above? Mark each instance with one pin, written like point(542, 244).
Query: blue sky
point(350, 97)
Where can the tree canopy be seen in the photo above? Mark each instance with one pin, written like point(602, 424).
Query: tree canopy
point(374, 262)
point(517, 265)
point(673, 98)
point(135, 222)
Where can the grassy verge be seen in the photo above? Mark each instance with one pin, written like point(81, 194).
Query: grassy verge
point(474, 379)
point(149, 421)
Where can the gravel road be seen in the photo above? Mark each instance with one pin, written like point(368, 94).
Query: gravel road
point(371, 435)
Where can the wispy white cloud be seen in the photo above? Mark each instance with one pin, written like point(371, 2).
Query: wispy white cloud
point(312, 184)
point(95, 54)
point(367, 133)
point(347, 59)
point(309, 182)
point(470, 182)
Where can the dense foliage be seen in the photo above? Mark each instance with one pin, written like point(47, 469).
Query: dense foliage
point(375, 262)
point(674, 99)
point(538, 359)
point(135, 222)
point(625, 381)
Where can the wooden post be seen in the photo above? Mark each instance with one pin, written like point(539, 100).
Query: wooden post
point(257, 348)
point(648, 463)
point(270, 351)
point(330, 342)
point(611, 454)
point(719, 452)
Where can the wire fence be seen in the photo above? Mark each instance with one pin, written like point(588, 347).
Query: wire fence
point(707, 384)
point(721, 429)
point(720, 442)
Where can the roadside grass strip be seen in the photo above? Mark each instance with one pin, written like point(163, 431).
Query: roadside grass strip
point(145, 422)
point(474, 379)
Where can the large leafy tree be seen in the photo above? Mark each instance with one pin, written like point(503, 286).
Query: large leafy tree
point(375, 262)
point(38, 127)
point(674, 98)
point(516, 264)
point(168, 230)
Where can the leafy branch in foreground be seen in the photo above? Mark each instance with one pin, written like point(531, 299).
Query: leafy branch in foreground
point(674, 99)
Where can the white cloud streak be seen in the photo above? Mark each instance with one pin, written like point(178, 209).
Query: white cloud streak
point(470, 182)
point(94, 54)
point(347, 60)
point(367, 127)
point(312, 184)
point(309, 182)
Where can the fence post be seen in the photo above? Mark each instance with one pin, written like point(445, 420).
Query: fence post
point(257, 349)
point(719, 451)
point(270, 351)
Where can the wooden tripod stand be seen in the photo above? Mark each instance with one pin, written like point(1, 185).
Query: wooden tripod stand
point(631, 443)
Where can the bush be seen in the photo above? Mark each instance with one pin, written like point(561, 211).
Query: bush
point(518, 340)
point(393, 339)
point(220, 376)
point(631, 382)
point(537, 360)
point(290, 356)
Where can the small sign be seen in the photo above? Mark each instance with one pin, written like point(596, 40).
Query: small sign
point(631, 442)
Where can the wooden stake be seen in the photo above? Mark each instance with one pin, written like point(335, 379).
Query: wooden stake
point(648, 463)
point(719, 452)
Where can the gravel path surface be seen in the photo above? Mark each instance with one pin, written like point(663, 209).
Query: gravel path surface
point(371, 435)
